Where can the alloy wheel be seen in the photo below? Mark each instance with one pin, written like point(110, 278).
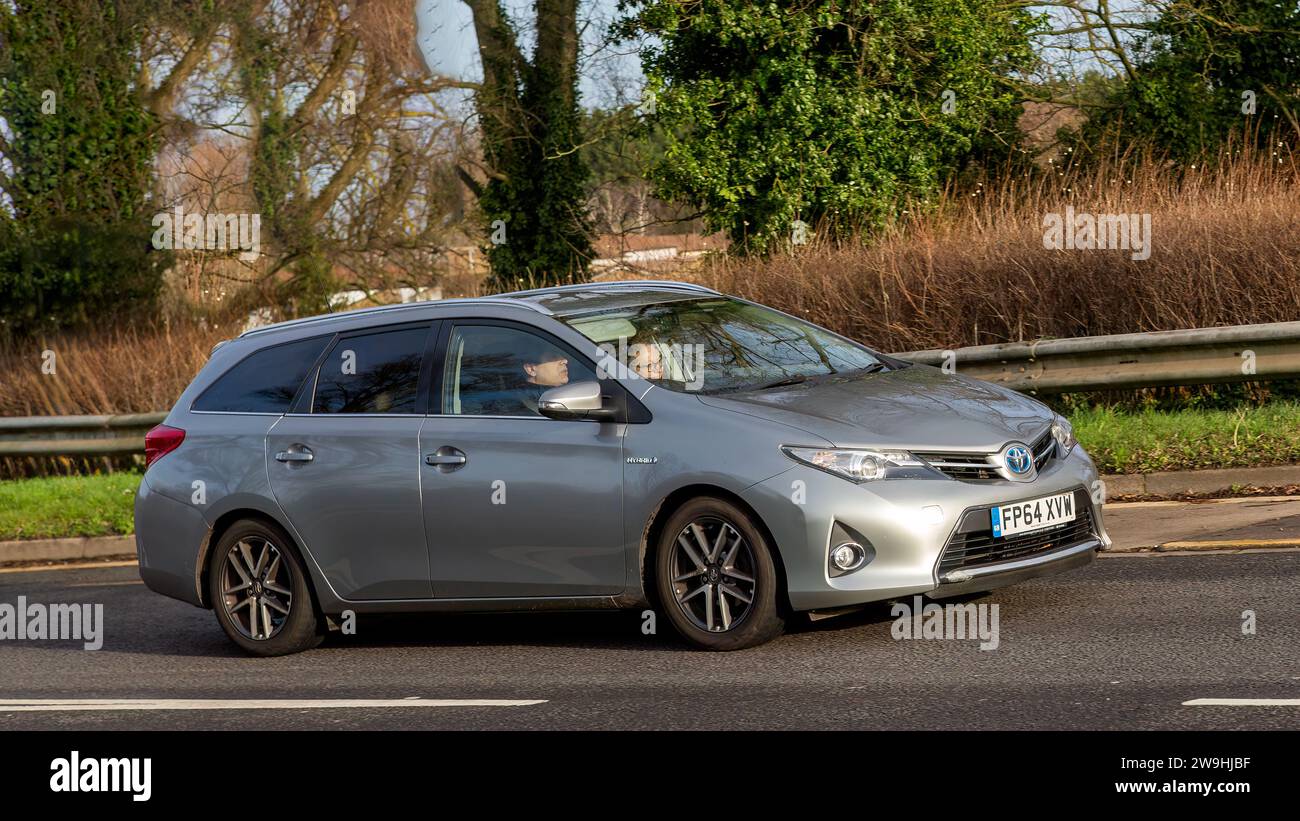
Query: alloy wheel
point(713, 574)
point(256, 598)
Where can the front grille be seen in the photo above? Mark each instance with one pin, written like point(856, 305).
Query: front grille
point(983, 467)
point(969, 467)
point(1044, 449)
point(973, 543)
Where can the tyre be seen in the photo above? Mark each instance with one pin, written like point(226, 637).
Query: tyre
point(259, 590)
point(715, 577)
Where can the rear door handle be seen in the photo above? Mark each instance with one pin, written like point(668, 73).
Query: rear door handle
point(447, 458)
point(295, 453)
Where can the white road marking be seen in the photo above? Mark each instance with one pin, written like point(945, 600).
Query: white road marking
point(50, 705)
point(1243, 702)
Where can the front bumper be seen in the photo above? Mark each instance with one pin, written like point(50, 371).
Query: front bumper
point(992, 576)
point(909, 523)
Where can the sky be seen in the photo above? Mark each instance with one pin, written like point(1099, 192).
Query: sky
point(447, 39)
point(449, 46)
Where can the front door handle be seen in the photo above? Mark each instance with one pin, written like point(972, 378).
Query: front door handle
point(447, 458)
point(295, 453)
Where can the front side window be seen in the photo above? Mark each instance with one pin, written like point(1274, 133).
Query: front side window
point(264, 382)
point(494, 370)
point(720, 345)
point(375, 373)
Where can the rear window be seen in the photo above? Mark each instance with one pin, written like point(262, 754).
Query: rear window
point(375, 373)
point(265, 381)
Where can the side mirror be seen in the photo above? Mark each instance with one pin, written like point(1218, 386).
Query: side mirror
point(578, 400)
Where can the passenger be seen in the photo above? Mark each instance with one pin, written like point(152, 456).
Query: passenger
point(648, 360)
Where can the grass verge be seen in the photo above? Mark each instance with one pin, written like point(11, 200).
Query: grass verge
point(1191, 439)
point(63, 506)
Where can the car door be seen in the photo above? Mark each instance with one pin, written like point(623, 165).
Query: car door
point(515, 504)
point(346, 469)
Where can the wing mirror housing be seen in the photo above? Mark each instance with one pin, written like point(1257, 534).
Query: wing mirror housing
point(577, 400)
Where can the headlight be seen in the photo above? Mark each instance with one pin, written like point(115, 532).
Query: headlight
point(863, 465)
point(1063, 433)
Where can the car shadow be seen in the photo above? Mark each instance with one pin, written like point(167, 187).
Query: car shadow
point(875, 614)
point(197, 634)
point(591, 630)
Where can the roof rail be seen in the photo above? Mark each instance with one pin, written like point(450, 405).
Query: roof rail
point(380, 309)
point(599, 286)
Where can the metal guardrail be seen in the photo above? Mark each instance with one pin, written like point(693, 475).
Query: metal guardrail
point(75, 435)
point(1193, 357)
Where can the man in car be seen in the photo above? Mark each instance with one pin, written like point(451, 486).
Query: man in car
point(541, 368)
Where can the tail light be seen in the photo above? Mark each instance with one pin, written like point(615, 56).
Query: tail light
point(161, 441)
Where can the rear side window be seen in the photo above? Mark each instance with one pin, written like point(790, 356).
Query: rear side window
point(375, 373)
point(265, 381)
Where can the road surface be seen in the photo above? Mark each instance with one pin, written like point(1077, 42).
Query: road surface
point(1123, 643)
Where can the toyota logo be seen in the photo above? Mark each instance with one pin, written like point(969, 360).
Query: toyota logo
point(1019, 460)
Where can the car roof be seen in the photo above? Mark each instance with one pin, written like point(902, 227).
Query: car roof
point(583, 299)
point(561, 300)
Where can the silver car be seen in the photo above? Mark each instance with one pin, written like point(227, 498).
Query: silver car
point(614, 445)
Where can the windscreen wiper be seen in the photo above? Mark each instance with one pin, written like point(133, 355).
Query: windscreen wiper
point(781, 383)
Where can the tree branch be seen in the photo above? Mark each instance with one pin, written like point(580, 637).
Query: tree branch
point(472, 184)
point(161, 100)
point(329, 81)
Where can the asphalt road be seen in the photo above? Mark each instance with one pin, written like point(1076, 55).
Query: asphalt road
point(1119, 644)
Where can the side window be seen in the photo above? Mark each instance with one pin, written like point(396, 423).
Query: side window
point(265, 381)
point(375, 373)
point(498, 371)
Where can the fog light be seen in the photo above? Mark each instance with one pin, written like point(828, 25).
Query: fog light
point(848, 556)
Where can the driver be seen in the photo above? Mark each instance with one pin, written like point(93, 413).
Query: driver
point(541, 367)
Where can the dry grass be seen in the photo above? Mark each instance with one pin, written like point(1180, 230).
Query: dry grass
point(119, 371)
point(973, 269)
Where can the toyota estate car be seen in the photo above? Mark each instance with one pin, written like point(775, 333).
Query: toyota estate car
point(617, 445)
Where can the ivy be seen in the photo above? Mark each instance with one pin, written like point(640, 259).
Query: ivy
point(534, 204)
point(82, 150)
point(1208, 69)
point(831, 112)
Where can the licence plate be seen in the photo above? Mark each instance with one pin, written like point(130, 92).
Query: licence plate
point(1036, 514)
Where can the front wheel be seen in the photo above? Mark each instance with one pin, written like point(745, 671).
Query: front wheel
point(715, 577)
point(260, 593)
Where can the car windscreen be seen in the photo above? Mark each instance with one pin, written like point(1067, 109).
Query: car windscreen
point(720, 345)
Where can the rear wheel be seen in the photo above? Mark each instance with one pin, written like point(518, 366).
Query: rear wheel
point(260, 593)
point(715, 577)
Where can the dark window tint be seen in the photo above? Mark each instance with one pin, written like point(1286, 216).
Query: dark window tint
point(264, 382)
point(497, 371)
point(376, 373)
